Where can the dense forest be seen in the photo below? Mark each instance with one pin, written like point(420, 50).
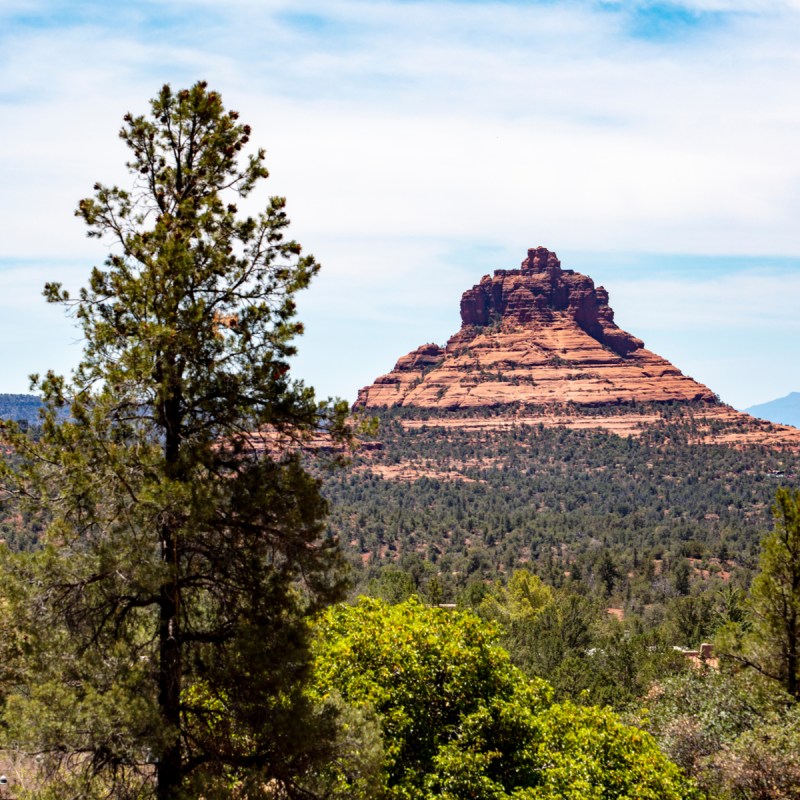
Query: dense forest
point(593, 563)
point(466, 505)
point(606, 562)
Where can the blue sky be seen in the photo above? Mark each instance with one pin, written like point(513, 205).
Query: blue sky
point(654, 146)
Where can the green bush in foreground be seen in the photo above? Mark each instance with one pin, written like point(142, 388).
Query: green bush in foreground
point(459, 721)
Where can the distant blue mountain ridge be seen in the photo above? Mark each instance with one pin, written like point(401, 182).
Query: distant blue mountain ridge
point(18, 407)
point(784, 410)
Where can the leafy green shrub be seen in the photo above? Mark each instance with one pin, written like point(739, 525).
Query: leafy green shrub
point(459, 721)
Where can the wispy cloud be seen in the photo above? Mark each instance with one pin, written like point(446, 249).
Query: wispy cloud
point(412, 138)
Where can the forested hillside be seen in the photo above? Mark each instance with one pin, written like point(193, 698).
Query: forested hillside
point(18, 407)
point(605, 561)
point(468, 504)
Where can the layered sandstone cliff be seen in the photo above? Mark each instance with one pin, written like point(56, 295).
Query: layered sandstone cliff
point(539, 336)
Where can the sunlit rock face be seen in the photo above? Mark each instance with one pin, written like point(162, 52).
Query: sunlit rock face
point(538, 335)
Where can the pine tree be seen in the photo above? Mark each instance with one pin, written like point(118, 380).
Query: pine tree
point(775, 596)
point(765, 634)
point(185, 540)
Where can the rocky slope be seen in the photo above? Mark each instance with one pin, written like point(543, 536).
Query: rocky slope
point(539, 335)
point(544, 338)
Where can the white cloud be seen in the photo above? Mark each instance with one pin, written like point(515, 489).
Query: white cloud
point(407, 134)
point(438, 118)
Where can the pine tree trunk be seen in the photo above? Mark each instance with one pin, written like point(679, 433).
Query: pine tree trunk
point(792, 656)
point(169, 774)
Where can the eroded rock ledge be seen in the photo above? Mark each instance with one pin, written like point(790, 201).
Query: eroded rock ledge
point(537, 335)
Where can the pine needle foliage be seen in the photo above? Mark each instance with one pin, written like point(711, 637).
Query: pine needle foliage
point(166, 616)
point(768, 639)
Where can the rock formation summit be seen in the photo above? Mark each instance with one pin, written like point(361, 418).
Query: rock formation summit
point(537, 336)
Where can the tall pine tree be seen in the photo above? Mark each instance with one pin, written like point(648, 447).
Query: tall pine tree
point(775, 596)
point(165, 616)
point(768, 638)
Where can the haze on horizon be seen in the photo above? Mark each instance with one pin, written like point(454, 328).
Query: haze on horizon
point(422, 144)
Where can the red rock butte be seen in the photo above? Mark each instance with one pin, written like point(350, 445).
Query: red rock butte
point(535, 336)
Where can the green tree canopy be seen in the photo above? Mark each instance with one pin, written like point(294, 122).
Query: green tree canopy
point(166, 616)
point(460, 721)
point(519, 601)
